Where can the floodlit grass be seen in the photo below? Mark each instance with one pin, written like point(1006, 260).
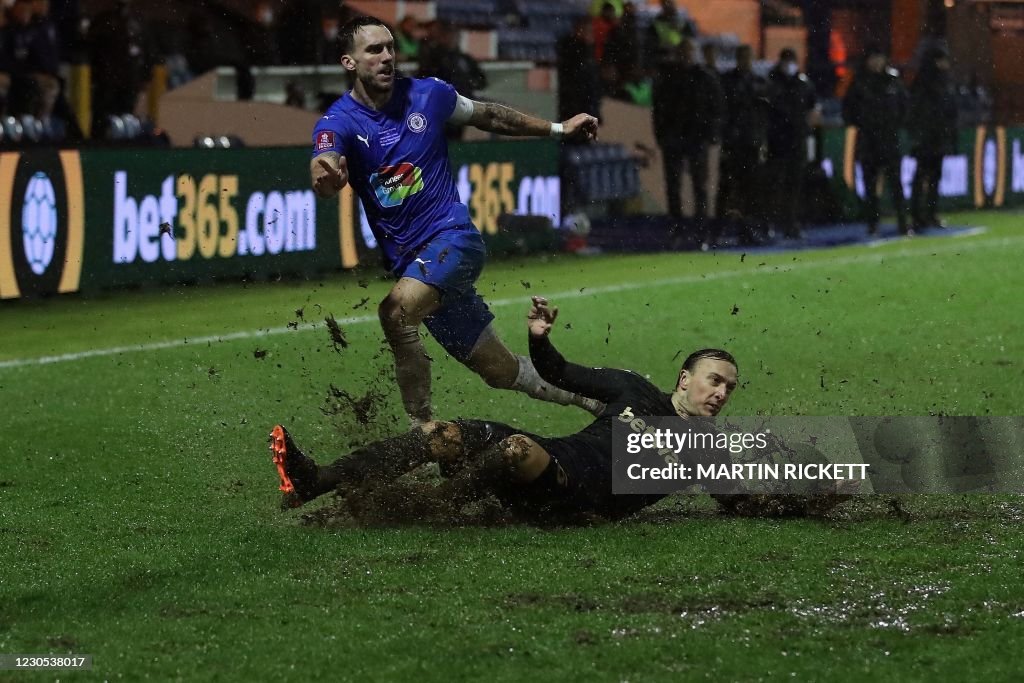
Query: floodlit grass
point(138, 508)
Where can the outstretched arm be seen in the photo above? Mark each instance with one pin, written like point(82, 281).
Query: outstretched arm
point(604, 384)
point(497, 118)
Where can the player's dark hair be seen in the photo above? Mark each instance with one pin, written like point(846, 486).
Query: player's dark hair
point(347, 35)
point(714, 354)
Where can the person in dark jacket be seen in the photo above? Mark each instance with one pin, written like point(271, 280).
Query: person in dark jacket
point(579, 84)
point(35, 61)
point(792, 110)
point(664, 35)
point(449, 63)
point(300, 32)
point(743, 141)
point(876, 105)
point(120, 62)
point(687, 114)
point(621, 56)
point(933, 134)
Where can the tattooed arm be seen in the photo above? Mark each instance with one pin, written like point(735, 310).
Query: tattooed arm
point(497, 118)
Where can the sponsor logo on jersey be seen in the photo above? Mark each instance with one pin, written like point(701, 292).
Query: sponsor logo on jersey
point(393, 184)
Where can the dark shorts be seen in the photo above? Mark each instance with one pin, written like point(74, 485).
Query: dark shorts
point(451, 262)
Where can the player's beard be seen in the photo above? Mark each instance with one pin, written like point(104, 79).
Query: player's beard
point(374, 87)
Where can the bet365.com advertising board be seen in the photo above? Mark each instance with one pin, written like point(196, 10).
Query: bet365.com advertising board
point(80, 221)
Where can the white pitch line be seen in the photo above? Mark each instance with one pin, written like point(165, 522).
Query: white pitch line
point(570, 294)
point(969, 232)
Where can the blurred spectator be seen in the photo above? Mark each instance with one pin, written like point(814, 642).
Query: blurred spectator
point(604, 24)
point(622, 51)
point(687, 109)
point(932, 125)
point(67, 17)
point(462, 69)
point(710, 67)
point(449, 63)
point(744, 133)
point(792, 109)
point(579, 88)
point(507, 13)
point(331, 40)
point(431, 48)
point(665, 33)
point(120, 63)
point(260, 37)
point(35, 60)
point(408, 35)
point(203, 49)
point(300, 32)
point(59, 107)
point(221, 39)
point(876, 105)
point(596, 6)
point(294, 95)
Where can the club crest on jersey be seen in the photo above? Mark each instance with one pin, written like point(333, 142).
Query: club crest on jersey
point(417, 122)
point(324, 140)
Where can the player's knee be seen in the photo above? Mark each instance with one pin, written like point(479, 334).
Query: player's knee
point(444, 439)
point(518, 455)
point(391, 313)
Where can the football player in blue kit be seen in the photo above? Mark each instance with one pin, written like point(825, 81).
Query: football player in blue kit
point(386, 138)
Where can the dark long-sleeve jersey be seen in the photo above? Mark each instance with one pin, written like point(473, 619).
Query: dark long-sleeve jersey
point(587, 454)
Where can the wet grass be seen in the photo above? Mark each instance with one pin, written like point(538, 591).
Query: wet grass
point(138, 509)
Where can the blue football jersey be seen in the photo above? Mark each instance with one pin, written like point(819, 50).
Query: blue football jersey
point(398, 163)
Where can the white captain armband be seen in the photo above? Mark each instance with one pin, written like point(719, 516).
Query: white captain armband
point(463, 111)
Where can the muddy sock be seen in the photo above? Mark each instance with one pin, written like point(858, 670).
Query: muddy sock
point(385, 460)
point(532, 384)
point(412, 371)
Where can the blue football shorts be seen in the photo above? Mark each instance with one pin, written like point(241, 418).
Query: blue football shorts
point(451, 262)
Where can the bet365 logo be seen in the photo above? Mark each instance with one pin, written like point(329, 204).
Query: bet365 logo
point(190, 218)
